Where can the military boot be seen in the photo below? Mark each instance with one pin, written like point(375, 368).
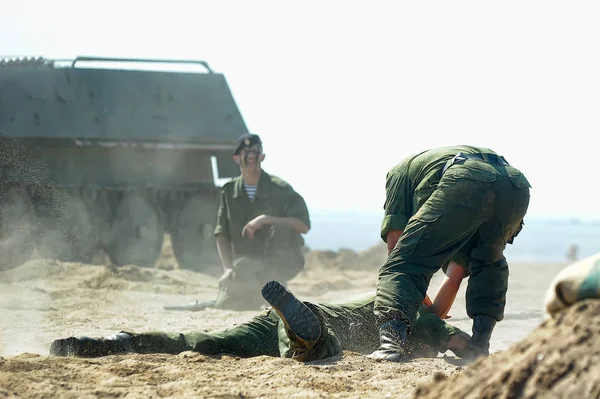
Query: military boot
point(479, 345)
point(92, 347)
point(392, 341)
point(301, 324)
point(459, 344)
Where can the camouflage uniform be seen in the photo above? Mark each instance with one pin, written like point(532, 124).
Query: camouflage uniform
point(349, 325)
point(443, 201)
point(275, 252)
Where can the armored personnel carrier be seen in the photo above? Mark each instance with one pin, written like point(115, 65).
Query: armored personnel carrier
point(110, 154)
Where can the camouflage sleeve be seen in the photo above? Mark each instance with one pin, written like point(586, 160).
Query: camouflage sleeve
point(395, 207)
point(222, 226)
point(295, 206)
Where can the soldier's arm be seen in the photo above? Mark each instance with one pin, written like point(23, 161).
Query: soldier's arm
point(224, 250)
point(395, 207)
point(290, 221)
point(222, 234)
point(295, 213)
point(392, 237)
point(267, 220)
point(427, 301)
point(446, 294)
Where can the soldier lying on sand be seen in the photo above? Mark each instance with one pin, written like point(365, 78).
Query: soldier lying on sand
point(290, 328)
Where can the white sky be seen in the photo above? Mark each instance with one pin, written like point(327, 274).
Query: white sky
point(340, 92)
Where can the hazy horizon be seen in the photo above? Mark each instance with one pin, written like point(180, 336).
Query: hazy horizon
point(541, 240)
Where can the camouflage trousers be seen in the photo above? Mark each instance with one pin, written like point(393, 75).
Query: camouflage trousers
point(346, 326)
point(282, 260)
point(474, 202)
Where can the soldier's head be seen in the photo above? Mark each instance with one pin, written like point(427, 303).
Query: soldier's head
point(248, 151)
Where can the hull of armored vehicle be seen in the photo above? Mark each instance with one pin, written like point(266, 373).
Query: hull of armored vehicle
point(102, 158)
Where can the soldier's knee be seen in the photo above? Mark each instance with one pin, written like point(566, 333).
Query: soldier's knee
point(284, 241)
point(281, 234)
point(491, 252)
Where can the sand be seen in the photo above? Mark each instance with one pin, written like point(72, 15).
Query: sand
point(559, 359)
point(43, 300)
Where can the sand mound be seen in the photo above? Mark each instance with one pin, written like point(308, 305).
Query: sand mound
point(129, 277)
point(559, 359)
point(371, 258)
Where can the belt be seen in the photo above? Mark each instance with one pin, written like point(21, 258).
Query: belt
point(485, 157)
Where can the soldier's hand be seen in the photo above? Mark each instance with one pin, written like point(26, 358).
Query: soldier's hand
point(227, 276)
point(253, 225)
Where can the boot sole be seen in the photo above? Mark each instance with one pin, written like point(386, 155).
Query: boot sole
point(296, 316)
point(66, 347)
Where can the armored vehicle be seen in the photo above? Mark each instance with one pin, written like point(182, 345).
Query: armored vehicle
point(110, 154)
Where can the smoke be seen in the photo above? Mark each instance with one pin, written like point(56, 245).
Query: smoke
point(117, 162)
point(85, 200)
point(25, 306)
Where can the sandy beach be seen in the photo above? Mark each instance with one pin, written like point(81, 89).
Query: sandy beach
point(43, 300)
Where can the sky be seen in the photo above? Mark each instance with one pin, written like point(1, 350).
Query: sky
point(341, 91)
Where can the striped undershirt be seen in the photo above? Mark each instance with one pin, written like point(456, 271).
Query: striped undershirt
point(250, 190)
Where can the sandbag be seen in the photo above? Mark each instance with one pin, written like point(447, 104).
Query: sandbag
point(576, 282)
